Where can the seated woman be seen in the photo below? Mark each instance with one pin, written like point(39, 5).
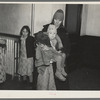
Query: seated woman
point(2, 60)
point(57, 20)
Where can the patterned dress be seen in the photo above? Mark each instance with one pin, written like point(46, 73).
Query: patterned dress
point(25, 64)
point(2, 64)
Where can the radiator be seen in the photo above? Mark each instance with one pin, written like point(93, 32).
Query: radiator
point(11, 56)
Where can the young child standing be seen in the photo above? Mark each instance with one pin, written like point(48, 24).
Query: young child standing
point(57, 45)
point(27, 52)
point(45, 54)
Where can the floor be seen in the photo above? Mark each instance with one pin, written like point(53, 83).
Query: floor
point(83, 74)
point(81, 77)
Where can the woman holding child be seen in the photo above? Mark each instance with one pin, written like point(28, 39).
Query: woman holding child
point(61, 31)
point(61, 34)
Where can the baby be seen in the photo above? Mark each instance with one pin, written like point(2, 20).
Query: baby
point(57, 45)
point(54, 38)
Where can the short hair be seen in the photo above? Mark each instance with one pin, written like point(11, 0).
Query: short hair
point(43, 38)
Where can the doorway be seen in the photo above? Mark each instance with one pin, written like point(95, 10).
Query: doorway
point(73, 18)
point(73, 25)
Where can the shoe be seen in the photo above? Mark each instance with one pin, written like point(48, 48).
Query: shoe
point(60, 76)
point(63, 72)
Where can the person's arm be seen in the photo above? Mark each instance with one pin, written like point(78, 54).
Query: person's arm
point(38, 52)
point(30, 48)
point(54, 51)
point(60, 45)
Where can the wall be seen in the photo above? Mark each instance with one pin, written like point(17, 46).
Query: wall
point(13, 17)
point(91, 20)
point(71, 20)
point(44, 13)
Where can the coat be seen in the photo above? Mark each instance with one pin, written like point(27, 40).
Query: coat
point(62, 33)
point(30, 46)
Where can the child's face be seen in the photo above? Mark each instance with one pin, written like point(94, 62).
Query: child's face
point(41, 45)
point(52, 34)
point(25, 32)
point(52, 31)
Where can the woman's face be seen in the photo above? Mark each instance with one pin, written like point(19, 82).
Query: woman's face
point(25, 32)
point(57, 22)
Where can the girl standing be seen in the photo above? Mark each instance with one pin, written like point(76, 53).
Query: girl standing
point(27, 53)
point(57, 20)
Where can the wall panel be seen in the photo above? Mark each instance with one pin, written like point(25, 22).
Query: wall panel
point(13, 17)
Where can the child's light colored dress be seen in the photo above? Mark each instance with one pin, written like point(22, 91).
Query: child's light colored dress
point(25, 64)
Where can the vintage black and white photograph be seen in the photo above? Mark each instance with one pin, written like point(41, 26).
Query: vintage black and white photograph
point(53, 46)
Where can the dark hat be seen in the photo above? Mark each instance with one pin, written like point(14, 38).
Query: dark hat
point(59, 14)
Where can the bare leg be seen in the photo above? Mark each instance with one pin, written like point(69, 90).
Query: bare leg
point(63, 59)
point(63, 64)
point(59, 62)
point(58, 70)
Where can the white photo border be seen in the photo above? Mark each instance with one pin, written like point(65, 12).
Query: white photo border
point(4, 94)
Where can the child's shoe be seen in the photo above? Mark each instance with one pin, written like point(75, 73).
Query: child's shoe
point(63, 72)
point(60, 76)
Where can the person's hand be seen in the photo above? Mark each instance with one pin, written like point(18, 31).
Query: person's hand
point(59, 51)
point(41, 70)
point(51, 61)
point(22, 38)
